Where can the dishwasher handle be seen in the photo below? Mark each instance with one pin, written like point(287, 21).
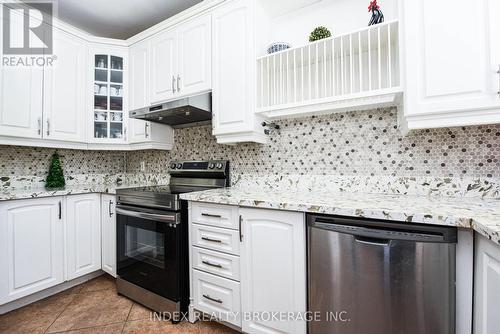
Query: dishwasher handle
point(379, 234)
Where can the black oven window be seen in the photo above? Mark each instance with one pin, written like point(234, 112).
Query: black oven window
point(145, 246)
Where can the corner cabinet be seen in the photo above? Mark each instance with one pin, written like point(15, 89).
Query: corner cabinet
point(109, 92)
point(452, 69)
point(487, 286)
point(234, 33)
point(31, 246)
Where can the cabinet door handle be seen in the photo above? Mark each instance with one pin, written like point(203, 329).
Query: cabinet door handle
point(239, 228)
point(39, 126)
point(109, 208)
point(178, 83)
point(211, 215)
point(146, 132)
point(48, 127)
point(125, 133)
point(498, 72)
point(212, 264)
point(212, 299)
point(173, 84)
point(211, 240)
point(60, 210)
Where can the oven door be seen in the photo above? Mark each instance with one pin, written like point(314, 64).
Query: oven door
point(148, 248)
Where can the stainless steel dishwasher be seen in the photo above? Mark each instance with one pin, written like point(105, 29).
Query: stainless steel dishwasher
point(380, 277)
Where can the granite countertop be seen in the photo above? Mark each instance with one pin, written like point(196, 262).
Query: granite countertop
point(481, 215)
point(26, 193)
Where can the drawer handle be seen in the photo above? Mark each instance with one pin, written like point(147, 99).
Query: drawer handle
point(212, 264)
point(212, 299)
point(211, 240)
point(211, 215)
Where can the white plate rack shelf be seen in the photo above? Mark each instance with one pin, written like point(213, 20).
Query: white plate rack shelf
point(355, 71)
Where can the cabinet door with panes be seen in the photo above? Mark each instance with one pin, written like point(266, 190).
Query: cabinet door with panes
point(109, 105)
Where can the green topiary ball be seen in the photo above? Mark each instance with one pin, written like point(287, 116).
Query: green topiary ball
point(319, 33)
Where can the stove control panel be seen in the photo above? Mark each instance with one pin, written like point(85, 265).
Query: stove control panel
point(213, 165)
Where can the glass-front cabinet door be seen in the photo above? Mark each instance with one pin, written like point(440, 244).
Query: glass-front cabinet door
point(109, 122)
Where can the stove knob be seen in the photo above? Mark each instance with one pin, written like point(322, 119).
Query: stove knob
point(172, 166)
point(211, 166)
point(179, 166)
point(219, 166)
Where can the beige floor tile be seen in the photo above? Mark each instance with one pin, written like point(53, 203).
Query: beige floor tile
point(108, 329)
point(139, 312)
point(213, 327)
point(37, 317)
point(104, 282)
point(147, 326)
point(95, 308)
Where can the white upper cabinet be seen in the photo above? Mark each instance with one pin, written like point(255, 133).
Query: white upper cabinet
point(180, 60)
point(108, 100)
point(233, 70)
point(21, 90)
point(273, 269)
point(31, 246)
point(163, 66)
point(65, 90)
point(83, 234)
point(195, 55)
point(144, 135)
point(451, 64)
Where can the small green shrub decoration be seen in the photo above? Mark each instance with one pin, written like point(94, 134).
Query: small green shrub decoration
point(55, 179)
point(319, 33)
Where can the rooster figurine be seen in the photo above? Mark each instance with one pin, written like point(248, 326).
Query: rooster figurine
point(377, 16)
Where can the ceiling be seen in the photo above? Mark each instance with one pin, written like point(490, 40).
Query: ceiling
point(118, 18)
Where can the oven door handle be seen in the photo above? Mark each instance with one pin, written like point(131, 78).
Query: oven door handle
point(171, 219)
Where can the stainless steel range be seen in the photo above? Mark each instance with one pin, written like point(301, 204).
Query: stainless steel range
point(152, 236)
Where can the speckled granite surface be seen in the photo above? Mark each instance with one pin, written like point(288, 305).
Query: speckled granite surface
point(480, 214)
point(23, 188)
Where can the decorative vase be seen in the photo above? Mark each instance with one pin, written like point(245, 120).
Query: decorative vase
point(377, 16)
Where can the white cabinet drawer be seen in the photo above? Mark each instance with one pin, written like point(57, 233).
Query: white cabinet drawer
point(218, 239)
point(215, 295)
point(217, 263)
point(215, 215)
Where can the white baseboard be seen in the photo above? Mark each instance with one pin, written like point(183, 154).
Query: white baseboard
point(13, 305)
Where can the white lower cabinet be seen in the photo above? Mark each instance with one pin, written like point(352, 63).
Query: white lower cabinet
point(31, 246)
point(218, 296)
point(108, 234)
point(273, 269)
point(254, 266)
point(487, 286)
point(83, 234)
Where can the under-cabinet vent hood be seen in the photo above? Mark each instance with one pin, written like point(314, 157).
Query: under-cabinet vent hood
point(182, 113)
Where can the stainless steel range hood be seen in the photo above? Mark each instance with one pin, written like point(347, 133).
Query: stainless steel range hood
point(182, 113)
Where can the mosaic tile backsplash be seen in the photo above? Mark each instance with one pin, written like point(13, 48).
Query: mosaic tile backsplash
point(349, 144)
point(359, 146)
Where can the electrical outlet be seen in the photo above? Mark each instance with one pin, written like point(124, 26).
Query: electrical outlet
point(143, 166)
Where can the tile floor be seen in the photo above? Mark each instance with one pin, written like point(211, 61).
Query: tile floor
point(95, 308)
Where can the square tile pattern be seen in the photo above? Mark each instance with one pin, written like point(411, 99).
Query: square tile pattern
point(94, 307)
